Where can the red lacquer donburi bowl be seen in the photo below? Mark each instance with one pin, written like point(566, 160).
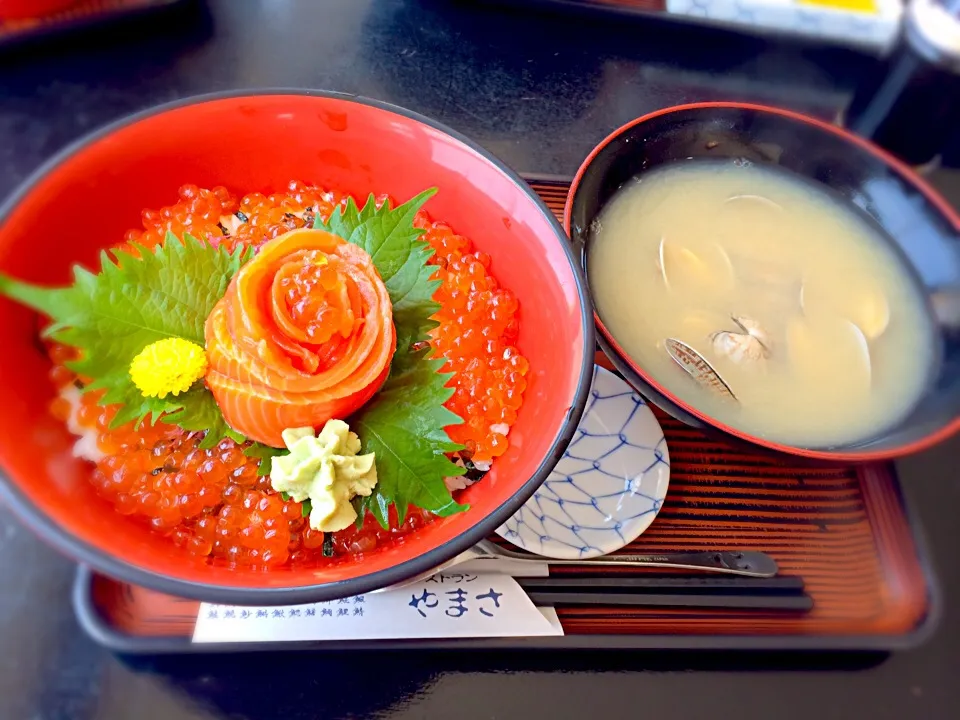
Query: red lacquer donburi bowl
point(86, 198)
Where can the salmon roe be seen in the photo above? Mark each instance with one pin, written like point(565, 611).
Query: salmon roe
point(197, 212)
point(478, 330)
point(317, 303)
point(211, 502)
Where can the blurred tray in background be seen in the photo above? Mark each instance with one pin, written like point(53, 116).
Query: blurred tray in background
point(80, 14)
point(870, 25)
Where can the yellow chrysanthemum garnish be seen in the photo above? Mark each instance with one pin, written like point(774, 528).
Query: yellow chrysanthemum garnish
point(168, 366)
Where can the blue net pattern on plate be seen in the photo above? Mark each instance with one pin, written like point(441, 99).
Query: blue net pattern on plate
point(609, 485)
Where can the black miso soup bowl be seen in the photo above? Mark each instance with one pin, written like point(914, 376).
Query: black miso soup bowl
point(914, 217)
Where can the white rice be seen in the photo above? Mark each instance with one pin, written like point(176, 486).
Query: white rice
point(462, 482)
point(86, 445)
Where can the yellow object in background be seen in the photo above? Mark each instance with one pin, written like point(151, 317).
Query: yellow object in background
point(864, 6)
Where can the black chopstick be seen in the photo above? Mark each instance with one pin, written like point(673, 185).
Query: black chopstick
point(675, 584)
point(714, 591)
point(797, 603)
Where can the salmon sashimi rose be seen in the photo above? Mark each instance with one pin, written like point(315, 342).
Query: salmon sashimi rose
point(303, 335)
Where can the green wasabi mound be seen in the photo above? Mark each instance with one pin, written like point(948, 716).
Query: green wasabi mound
point(326, 469)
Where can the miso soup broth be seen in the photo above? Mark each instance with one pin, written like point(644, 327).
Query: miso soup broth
point(794, 299)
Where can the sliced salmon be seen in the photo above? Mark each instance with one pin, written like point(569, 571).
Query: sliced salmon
point(266, 371)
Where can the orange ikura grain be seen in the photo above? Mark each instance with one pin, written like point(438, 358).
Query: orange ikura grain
point(211, 502)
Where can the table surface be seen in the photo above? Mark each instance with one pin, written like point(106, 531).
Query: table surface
point(539, 91)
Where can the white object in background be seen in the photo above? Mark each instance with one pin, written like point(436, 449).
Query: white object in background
point(609, 485)
point(932, 29)
point(876, 25)
point(446, 605)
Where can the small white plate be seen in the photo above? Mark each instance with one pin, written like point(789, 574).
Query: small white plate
point(609, 485)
